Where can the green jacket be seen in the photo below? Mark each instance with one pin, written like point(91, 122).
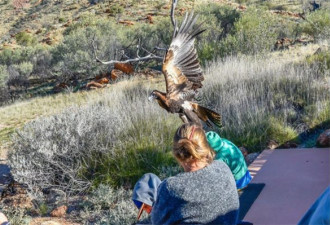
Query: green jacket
point(229, 153)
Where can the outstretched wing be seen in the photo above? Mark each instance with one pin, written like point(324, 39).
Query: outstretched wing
point(181, 67)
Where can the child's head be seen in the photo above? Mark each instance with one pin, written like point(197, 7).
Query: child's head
point(190, 144)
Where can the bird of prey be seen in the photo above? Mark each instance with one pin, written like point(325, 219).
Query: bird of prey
point(183, 76)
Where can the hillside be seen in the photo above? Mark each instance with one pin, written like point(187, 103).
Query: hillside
point(46, 20)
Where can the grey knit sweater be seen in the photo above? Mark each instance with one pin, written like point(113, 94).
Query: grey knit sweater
point(205, 196)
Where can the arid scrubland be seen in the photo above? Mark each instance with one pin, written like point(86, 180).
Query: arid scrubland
point(94, 145)
point(119, 135)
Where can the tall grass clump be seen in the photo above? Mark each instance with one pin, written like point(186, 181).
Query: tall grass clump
point(113, 141)
point(262, 100)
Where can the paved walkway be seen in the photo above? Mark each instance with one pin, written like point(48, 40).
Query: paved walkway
point(285, 184)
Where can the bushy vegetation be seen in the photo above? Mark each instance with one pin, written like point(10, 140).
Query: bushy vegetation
point(253, 33)
point(74, 57)
point(261, 98)
point(121, 136)
point(88, 148)
point(25, 39)
point(229, 31)
point(317, 24)
point(106, 205)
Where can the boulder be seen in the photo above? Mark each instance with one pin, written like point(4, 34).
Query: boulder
point(150, 19)
point(94, 85)
point(126, 22)
point(289, 144)
point(251, 157)
point(59, 211)
point(56, 197)
point(124, 67)
point(115, 74)
point(272, 144)
point(323, 140)
point(103, 80)
point(244, 151)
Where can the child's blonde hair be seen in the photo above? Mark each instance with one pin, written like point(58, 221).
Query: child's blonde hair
point(190, 143)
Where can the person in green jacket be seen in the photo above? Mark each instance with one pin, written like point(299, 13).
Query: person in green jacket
point(232, 156)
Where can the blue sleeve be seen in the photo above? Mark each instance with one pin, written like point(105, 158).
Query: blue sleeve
point(319, 212)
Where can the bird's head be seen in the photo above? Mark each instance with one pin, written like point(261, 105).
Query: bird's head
point(153, 95)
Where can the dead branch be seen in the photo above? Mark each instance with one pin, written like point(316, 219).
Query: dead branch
point(137, 59)
point(174, 23)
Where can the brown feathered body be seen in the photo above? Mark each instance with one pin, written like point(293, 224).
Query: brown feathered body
point(183, 76)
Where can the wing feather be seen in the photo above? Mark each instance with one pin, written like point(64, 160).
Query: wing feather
point(181, 66)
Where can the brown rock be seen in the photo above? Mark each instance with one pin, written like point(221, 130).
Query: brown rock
point(150, 19)
point(115, 74)
point(68, 23)
point(94, 85)
point(324, 139)
point(127, 22)
point(242, 7)
point(251, 157)
point(289, 145)
point(283, 43)
point(124, 67)
point(39, 31)
point(60, 87)
point(103, 80)
point(59, 211)
point(272, 144)
point(244, 151)
point(48, 41)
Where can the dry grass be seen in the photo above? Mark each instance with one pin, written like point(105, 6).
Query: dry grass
point(16, 115)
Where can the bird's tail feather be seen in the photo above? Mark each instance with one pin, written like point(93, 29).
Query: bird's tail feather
point(207, 115)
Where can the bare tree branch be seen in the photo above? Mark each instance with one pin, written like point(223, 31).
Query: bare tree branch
point(138, 47)
point(137, 59)
point(174, 23)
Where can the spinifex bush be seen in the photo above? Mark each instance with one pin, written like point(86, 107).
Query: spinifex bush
point(250, 92)
point(106, 205)
point(115, 140)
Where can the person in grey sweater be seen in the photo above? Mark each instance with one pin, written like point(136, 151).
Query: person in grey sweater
point(205, 193)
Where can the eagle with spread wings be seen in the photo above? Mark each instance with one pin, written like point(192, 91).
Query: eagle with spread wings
point(183, 76)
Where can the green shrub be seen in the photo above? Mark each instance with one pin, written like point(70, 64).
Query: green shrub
point(100, 143)
point(25, 68)
point(106, 205)
point(26, 39)
point(38, 55)
point(74, 57)
point(3, 75)
point(280, 131)
point(218, 22)
point(317, 24)
point(116, 9)
point(253, 33)
point(321, 59)
point(61, 19)
point(317, 114)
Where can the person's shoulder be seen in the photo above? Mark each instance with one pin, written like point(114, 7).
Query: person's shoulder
point(219, 166)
